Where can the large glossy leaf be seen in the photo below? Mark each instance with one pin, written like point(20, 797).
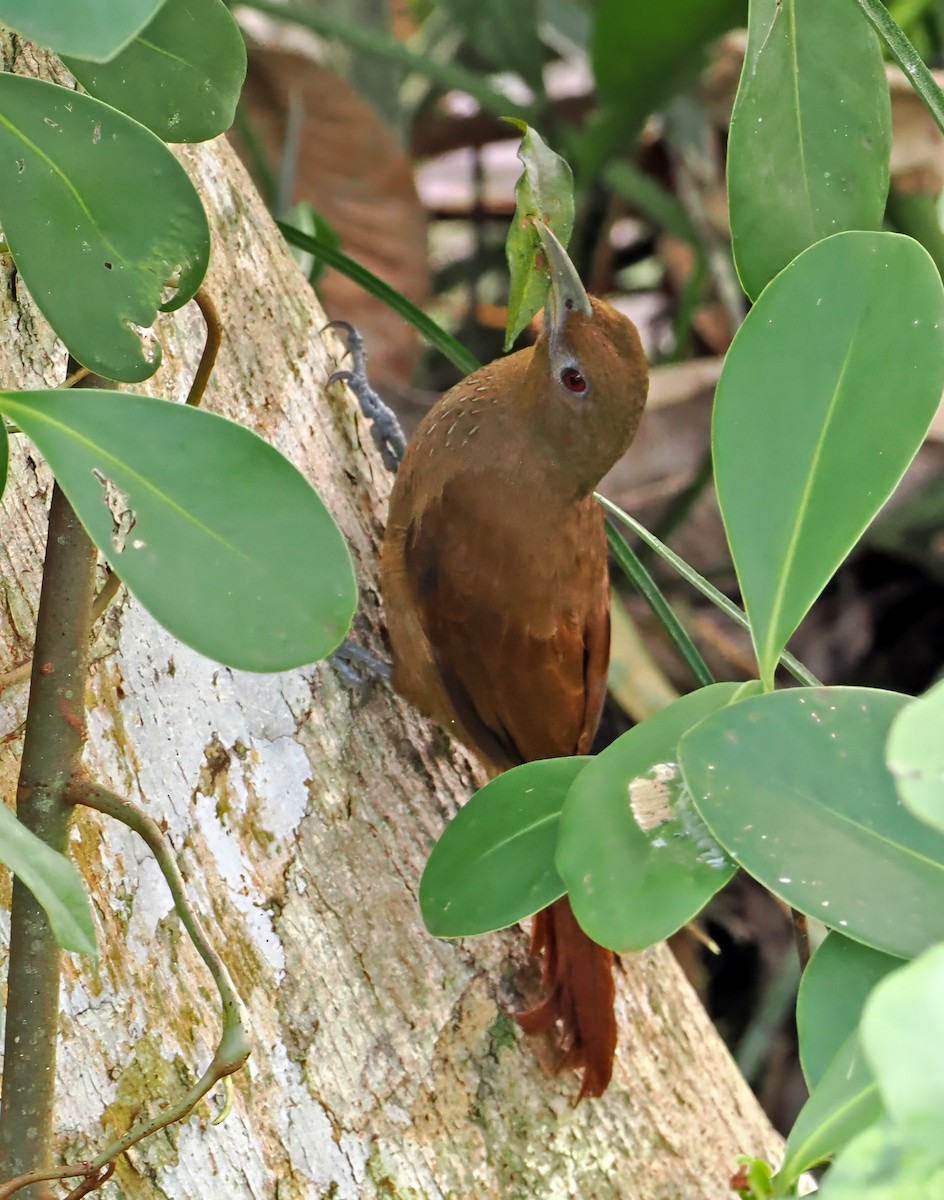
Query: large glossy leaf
point(93, 29)
point(636, 859)
point(915, 756)
point(833, 991)
point(99, 216)
point(903, 1035)
point(181, 76)
point(494, 864)
point(52, 879)
point(810, 135)
point(816, 417)
point(794, 786)
point(844, 1103)
point(217, 534)
point(544, 191)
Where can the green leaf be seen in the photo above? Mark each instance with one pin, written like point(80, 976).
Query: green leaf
point(217, 534)
point(902, 1033)
point(93, 29)
point(794, 786)
point(545, 191)
point(494, 863)
point(809, 143)
point(181, 76)
point(844, 1103)
point(887, 1162)
point(635, 857)
point(915, 756)
point(120, 217)
point(753, 1181)
point(643, 54)
point(833, 991)
point(53, 880)
point(815, 419)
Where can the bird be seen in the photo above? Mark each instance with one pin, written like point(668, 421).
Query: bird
point(495, 584)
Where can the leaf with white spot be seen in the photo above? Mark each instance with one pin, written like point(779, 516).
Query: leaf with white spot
point(794, 786)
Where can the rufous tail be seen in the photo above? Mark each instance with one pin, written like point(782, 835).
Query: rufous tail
point(578, 975)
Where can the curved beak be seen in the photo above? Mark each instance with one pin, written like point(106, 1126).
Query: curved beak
point(567, 294)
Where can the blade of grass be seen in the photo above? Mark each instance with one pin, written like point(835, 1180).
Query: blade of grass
point(708, 590)
point(907, 57)
point(434, 334)
point(643, 581)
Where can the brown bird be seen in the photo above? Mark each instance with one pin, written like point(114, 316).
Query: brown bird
point(496, 587)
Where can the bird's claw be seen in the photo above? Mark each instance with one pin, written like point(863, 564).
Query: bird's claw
point(359, 668)
point(355, 345)
point(384, 426)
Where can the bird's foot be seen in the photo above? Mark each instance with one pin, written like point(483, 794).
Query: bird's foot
point(384, 426)
point(358, 668)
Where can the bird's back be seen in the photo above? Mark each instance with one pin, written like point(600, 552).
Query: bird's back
point(496, 589)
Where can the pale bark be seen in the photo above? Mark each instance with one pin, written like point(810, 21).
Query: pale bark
point(385, 1063)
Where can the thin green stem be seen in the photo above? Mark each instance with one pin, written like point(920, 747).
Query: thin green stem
point(234, 1045)
point(643, 581)
point(800, 673)
point(55, 734)
point(906, 56)
point(434, 334)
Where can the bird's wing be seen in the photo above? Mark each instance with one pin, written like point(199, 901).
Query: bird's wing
point(517, 619)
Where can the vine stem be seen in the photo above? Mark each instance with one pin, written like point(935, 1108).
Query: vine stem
point(86, 792)
point(55, 735)
point(906, 56)
point(234, 1046)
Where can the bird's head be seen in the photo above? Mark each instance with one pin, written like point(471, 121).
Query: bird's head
point(588, 375)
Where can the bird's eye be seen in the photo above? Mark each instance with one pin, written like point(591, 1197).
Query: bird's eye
point(572, 380)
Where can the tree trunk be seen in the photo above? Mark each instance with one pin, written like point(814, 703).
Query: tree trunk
point(386, 1064)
